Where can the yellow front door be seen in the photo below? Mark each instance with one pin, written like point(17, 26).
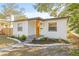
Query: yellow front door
point(37, 28)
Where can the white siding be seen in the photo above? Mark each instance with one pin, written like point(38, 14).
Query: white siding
point(32, 27)
point(61, 29)
point(24, 27)
point(29, 28)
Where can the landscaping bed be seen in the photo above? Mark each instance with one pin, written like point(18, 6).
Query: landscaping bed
point(21, 38)
point(48, 41)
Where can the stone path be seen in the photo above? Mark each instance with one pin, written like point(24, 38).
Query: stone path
point(24, 50)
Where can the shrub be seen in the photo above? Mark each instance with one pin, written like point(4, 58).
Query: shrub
point(74, 52)
point(22, 37)
point(42, 39)
point(77, 31)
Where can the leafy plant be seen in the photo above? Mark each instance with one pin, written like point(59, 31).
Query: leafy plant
point(71, 10)
point(22, 37)
point(74, 52)
point(42, 39)
point(77, 31)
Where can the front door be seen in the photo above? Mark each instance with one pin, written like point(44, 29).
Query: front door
point(37, 28)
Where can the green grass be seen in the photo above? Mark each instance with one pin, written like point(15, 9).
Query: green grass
point(74, 52)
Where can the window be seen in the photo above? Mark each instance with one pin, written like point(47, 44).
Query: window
point(41, 25)
point(52, 26)
point(19, 27)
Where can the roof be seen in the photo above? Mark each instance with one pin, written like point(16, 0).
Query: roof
point(4, 20)
point(38, 18)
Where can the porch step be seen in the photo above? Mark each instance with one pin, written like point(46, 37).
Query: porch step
point(32, 37)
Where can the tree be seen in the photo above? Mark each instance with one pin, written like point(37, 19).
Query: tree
point(71, 10)
point(52, 8)
point(11, 9)
point(20, 17)
point(43, 7)
point(2, 16)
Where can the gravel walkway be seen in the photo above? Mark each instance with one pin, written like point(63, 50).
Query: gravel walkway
point(24, 50)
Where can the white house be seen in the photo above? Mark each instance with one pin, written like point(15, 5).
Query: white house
point(52, 28)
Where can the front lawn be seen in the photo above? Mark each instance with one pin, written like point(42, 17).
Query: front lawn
point(5, 42)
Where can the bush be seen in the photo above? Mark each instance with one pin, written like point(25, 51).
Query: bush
point(43, 39)
point(77, 31)
point(22, 38)
point(74, 52)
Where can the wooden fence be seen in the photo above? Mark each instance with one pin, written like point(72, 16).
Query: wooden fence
point(6, 31)
point(74, 38)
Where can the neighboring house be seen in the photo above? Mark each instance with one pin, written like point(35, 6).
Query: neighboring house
point(5, 27)
point(52, 28)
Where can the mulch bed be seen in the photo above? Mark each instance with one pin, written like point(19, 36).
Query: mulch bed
point(49, 41)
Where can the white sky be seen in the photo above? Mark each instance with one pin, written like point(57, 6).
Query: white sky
point(38, 14)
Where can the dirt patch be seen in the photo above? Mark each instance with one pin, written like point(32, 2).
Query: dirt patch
point(5, 42)
point(38, 51)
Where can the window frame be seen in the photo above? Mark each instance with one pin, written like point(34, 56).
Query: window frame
point(53, 28)
point(19, 27)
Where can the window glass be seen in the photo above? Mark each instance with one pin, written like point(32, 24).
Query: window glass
point(19, 27)
point(52, 26)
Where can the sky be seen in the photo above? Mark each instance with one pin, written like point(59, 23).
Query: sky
point(30, 12)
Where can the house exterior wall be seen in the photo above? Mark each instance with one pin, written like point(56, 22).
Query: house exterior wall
point(24, 28)
point(29, 28)
point(32, 27)
point(61, 29)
